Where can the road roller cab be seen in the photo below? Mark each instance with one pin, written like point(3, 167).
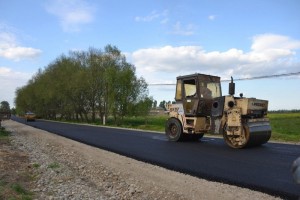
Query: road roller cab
point(200, 108)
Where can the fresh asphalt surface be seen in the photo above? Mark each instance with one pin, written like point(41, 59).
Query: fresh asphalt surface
point(266, 168)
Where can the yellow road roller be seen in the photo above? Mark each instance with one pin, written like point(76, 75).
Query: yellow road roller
point(200, 108)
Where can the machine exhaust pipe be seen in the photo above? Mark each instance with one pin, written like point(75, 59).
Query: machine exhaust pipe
point(231, 87)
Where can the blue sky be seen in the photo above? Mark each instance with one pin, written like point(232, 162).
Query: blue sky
point(163, 39)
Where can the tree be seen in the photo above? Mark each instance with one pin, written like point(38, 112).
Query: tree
point(82, 84)
point(4, 107)
point(4, 110)
point(13, 111)
point(143, 108)
point(154, 104)
point(162, 104)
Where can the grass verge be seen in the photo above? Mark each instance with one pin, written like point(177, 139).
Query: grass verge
point(285, 126)
point(14, 172)
point(4, 134)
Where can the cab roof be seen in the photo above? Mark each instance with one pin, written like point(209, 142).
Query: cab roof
point(199, 76)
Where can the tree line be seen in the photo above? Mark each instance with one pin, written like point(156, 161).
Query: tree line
point(85, 84)
point(284, 111)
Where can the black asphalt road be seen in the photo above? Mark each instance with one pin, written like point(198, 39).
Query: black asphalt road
point(266, 168)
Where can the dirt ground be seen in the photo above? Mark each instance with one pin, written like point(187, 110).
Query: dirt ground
point(112, 175)
point(15, 172)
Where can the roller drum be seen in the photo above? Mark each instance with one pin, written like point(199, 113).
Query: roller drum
point(253, 133)
point(259, 133)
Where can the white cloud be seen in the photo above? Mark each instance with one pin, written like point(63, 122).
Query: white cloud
point(212, 17)
point(10, 49)
point(269, 47)
point(10, 80)
point(164, 21)
point(179, 29)
point(9, 73)
point(153, 16)
point(273, 41)
point(270, 54)
point(72, 14)
point(164, 64)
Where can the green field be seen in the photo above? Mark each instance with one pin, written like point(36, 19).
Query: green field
point(152, 123)
point(285, 126)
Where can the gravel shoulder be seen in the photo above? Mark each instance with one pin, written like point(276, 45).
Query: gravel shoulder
point(66, 169)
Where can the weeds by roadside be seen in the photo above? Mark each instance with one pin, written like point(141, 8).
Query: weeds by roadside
point(15, 175)
point(36, 165)
point(22, 193)
point(53, 165)
point(3, 134)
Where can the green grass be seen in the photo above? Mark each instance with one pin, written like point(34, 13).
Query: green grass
point(152, 123)
point(22, 193)
point(285, 126)
point(53, 165)
point(3, 133)
point(36, 165)
point(14, 191)
point(19, 189)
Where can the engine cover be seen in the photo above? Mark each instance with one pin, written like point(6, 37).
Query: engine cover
point(252, 106)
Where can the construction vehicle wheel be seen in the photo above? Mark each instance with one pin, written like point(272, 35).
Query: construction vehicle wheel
point(237, 141)
point(173, 130)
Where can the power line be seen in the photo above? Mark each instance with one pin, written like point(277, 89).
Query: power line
point(239, 79)
point(266, 76)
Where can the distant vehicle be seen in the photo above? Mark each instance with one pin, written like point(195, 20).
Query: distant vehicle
point(30, 116)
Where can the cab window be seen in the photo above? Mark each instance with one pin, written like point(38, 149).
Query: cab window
point(178, 95)
point(190, 88)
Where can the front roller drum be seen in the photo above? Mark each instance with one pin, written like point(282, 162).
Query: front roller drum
point(253, 134)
